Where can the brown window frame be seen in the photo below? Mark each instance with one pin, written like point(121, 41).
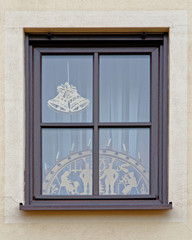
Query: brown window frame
point(156, 45)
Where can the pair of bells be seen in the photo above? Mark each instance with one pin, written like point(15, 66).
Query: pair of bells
point(68, 100)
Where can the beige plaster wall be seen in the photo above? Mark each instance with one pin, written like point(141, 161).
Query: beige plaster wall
point(109, 225)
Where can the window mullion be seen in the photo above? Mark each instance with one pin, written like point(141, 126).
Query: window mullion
point(96, 128)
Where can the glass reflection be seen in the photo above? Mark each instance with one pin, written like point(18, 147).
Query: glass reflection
point(124, 161)
point(125, 88)
point(67, 161)
point(67, 88)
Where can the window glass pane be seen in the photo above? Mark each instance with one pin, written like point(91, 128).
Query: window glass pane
point(124, 161)
point(67, 88)
point(124, 88)
point(67, 161)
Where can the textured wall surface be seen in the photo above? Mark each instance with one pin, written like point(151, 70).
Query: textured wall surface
point(174, 224)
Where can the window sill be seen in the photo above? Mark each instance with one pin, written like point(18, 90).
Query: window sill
point(91, 206)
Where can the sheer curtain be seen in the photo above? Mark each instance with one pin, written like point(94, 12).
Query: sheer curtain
point(125, 97)
point(77, 70)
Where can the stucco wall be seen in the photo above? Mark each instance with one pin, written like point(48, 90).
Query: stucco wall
point(109, 224)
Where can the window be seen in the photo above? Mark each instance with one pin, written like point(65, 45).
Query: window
point(96, 122)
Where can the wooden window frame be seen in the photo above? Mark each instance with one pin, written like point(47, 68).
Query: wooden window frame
point(156, 45)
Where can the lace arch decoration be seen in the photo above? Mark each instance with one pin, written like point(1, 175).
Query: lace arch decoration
point(119, 175)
